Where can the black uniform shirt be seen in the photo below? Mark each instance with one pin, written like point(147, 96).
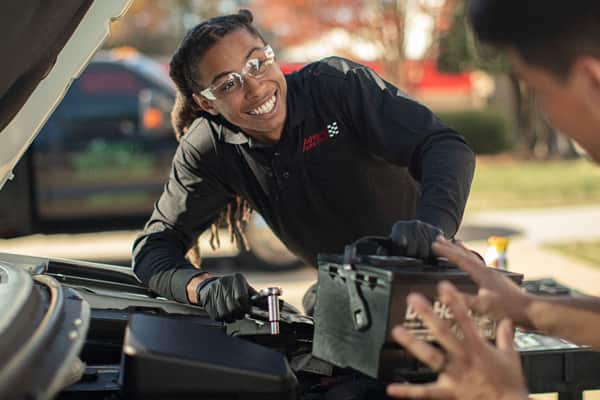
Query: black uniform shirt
point(354, 157)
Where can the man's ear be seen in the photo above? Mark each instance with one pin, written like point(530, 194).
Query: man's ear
point(204, 104)
point(587, 68)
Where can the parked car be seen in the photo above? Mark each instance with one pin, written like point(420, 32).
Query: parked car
point(101, 160)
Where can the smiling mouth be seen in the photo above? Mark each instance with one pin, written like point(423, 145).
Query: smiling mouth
point(265, 108)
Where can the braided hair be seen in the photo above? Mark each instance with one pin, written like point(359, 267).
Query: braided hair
point(183, 67)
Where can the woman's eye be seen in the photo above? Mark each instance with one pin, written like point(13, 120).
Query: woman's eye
point(228, 86)
point(262, 65)
point(254, 66)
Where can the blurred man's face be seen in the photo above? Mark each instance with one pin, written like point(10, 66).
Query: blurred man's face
point(572, 105)
point(259, 106)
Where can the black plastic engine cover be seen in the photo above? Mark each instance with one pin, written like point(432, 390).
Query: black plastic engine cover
point(358, 303)
point(178, 358)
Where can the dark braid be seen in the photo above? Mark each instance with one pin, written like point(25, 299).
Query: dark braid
point(183, 70)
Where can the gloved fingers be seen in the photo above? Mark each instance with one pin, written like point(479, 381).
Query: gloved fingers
point(243, 302)
point(211, 310)
point(241, 292)
point(399, 236)
point(423, 251)
point(412, 249)
point(239, 284)
point(251, 291)
point(426, 235)
point(414, 238)
point(234, 310)
point(238, 314)
point(229, 318)
point(226, 302)
point(434, 233)
point(220, 300)
point(232, 305)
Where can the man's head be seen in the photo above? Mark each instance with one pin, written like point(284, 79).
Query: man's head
point(555, 48)
point(225, 67)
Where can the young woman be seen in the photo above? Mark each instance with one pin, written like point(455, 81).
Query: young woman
point(326, 155)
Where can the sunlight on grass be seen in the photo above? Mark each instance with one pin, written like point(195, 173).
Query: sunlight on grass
point(588, 252)
point(520, 184)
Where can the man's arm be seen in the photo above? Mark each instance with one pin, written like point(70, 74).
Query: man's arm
point(574, 318)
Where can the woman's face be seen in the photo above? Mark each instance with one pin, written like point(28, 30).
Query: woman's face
point(259, 106)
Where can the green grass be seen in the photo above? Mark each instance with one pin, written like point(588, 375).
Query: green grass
point(588, 252)
point(505, 184)
point(520, 184)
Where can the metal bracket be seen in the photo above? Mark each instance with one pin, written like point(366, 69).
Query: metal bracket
point(358, 308)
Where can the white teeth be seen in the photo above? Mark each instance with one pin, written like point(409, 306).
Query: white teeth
point(267, 107)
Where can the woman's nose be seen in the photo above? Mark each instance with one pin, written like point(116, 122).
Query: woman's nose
point(253, 86)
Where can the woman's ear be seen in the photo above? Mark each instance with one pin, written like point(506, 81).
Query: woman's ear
point(204, 104)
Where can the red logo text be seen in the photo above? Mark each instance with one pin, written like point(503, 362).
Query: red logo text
point(314, 140)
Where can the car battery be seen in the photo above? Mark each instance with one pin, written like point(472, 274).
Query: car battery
point(361, 296)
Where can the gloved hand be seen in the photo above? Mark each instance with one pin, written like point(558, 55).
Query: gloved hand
point(225, 298)
point(415, 238)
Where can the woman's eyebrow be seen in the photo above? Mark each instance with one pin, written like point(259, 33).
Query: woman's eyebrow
point(252, 50)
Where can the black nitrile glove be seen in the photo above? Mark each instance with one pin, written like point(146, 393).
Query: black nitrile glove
point(414, 238)
point(226, 298)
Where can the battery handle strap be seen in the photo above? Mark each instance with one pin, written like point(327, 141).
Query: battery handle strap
point(358, 308)
point(380, 245)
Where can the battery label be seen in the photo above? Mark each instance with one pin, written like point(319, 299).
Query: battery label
point(412, 322)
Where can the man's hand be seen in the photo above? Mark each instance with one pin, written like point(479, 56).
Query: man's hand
point(498, 296)
point(470, 368)
point(226, 298)
point(415, 237)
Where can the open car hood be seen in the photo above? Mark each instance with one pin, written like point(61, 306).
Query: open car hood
point(46, 45)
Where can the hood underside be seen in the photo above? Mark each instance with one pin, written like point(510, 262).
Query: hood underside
point(46, 44)
point(46, 26)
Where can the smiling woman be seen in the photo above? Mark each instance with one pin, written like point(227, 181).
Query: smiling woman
point(326, 155)
point(209, 53)
point(199, 62)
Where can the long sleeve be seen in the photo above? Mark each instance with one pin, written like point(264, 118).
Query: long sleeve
point(193, 196)
point(406, 133)
point(445, 166)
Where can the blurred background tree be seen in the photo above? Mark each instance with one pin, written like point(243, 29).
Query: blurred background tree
point(408, 42)
point(155, 27)
point(302, 30)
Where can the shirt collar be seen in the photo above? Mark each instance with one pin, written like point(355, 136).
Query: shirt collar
point(238, 137)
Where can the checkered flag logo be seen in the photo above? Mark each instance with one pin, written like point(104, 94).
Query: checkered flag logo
point(333, 129)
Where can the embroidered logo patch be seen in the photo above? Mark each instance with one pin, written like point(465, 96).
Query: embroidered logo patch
point(333, 129)
point(322, 136)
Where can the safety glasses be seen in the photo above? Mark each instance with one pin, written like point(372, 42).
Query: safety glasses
point(234, 82)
